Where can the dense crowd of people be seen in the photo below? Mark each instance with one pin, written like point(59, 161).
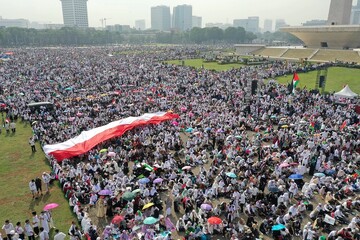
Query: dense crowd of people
point(234, 165)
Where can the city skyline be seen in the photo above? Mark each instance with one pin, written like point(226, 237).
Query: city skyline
point(127, 12)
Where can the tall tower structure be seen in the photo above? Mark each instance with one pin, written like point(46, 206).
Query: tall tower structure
point(340, 12)
point(75, 13)
point(160, 18)
point(355, 14)
point(182, 17)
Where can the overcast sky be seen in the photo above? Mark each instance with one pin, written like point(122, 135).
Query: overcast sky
point(295, 12)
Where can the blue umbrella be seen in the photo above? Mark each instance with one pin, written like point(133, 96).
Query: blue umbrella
point(231, 174)
point(278, 227)
point(144, 180)
point(189, 130)
point(319, 174)
point(296, 176)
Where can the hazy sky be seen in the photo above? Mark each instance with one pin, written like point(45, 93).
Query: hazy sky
point(294, 12)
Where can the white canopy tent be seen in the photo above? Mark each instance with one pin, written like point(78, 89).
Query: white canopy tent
point(345, 93)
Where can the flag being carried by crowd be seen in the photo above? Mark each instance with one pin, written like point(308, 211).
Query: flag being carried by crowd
point(295, 82)
point(89, 139)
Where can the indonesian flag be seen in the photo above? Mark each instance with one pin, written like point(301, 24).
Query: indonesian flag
point(295, 82)
point(89, 139)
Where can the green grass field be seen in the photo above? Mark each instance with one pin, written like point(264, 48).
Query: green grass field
point(17, 167)
point(337, 77)
point(198, 63)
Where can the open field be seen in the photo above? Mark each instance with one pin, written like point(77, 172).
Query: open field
point(337, 77)
point(17, 167)
point(198, 63)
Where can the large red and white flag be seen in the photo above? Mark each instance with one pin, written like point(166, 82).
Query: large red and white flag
point(89, 139)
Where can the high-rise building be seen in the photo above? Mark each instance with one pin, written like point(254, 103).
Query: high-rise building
point(196, 21)
point(251, 24)
point(355, 14)
point(140, 24)
point(340, 12)
point(182, 17)
point(160, 18)
point(268, 25)
point(75, 13)
point(279, 23)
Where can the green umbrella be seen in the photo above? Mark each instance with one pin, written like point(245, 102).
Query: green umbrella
point(136, 190)
point(128, 196)
point(150, 220)
point(103, 150)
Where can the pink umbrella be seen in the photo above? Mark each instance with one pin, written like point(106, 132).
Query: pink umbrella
point(186, 168)
point(71, 119)
point(50, 206)
point(79, 114)
point(183, 109)
point(284, 164)
point(111, 154)
point(191, 114)
point(175, 123)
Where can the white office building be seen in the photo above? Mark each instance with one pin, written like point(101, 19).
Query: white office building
point(75, 13)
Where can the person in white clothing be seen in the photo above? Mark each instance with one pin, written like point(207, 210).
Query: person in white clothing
point(32, 186)
point(59, 235)
point(44, 220)
point(44, 235)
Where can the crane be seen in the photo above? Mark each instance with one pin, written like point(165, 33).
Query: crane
point(103, 22)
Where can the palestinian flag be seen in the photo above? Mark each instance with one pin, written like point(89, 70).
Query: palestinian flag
point(312, 126)
point(295, 82)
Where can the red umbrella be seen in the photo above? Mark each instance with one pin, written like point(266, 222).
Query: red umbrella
point(214, 220)
point(117, 219)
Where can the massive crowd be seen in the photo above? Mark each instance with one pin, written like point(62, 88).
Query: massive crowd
point(234, 165)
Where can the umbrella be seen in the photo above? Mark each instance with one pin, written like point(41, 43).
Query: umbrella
point(158, 180)
point(136, 190)
point(103, 150)
point(278, 227)
point(117, 219)
point(284, 126)
point(105, 192)
point(150, 220)
point(175, 123)
point(205, 206)
point(231, 175)
point(238, 137)
point(68, 88)
point(319, 174)
point(140, 176)
point(186, 168)
point(79, 114)
point(144, 180)
point(214, 220)
point(208, 129)
point(71, 119)
point(148, 205)
point(273, 116)
point(50, 206)
point(189, 130)
point(296, 176)
point(284, 164)
point(273, 189)
point(111, 154)
point(128, 196)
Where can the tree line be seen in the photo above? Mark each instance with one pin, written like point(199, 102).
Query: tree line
point(12, 36)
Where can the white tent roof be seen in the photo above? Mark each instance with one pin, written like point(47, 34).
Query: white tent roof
point(346, 93)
